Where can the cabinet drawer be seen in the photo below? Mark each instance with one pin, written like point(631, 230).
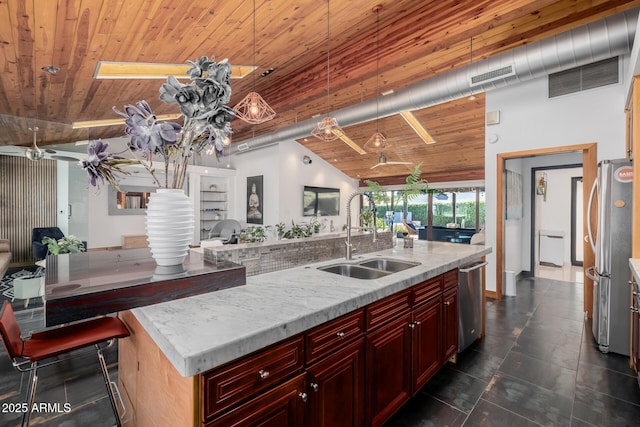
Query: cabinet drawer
point(329, 337)
point(228, 385)
point(387, 309)
point(450, 278)
point(423, 292)
point(282, 406)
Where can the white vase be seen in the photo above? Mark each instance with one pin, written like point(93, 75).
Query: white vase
point(170, 224)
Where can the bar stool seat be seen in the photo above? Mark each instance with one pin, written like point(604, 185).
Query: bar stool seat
point(27, 353)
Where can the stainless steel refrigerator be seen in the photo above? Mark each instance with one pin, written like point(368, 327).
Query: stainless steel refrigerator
point(612, 248)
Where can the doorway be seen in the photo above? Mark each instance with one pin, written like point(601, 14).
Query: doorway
point(555, 240)
point(589, 164)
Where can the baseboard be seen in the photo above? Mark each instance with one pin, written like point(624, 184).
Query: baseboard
point(490, 294)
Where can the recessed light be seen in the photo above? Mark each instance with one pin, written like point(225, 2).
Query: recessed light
point(51, 69)
point(267, 72)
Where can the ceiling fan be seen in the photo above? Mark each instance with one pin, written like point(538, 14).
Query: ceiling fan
point(34, 152)
point(382, 160)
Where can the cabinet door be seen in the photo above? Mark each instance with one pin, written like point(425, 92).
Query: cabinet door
point(336, 388)
point(450, 323)
point(282, 406)
point(427, 342)
point(388, 368)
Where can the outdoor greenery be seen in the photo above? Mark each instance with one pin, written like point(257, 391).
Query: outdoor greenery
point(443, 213)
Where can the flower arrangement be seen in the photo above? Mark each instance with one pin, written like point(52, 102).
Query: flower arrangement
point(66, 245)
point(207, 123)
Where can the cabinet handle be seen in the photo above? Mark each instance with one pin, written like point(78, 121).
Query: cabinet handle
point(634, 310)
point(263, 374)
point(447, 303)
point(411, 325)
point(417, 322)
point(303, 396)
point(314, 386)
point(340, 335)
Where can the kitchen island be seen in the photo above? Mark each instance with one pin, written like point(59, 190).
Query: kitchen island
point(164, 365)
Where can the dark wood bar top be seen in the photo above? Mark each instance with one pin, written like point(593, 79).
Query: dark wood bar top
point(79, 286)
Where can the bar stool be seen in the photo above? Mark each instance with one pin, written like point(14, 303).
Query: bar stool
point(26, 354)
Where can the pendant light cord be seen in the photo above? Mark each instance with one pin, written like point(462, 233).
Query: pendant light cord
point(328, 55)
point(254, 45)
point(377, 66)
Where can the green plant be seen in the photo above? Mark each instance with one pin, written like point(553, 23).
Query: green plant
point(66, 245)
point(298, 231)
point(413, 187)
point(366, 218)
point(254, 233)
point(280, 229)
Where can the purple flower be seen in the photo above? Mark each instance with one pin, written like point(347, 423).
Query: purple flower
point(147, 134)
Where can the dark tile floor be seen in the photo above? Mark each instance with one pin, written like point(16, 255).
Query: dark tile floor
point(537, 365)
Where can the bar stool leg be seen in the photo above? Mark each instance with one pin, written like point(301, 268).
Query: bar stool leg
point(107, 383)
point(31, 393)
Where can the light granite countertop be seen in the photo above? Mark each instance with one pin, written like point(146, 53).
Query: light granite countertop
point(634, 263)
point(205, 331)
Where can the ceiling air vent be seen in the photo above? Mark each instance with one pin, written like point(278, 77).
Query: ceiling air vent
point(588, 76)
point(243, 146)
point(489, 76)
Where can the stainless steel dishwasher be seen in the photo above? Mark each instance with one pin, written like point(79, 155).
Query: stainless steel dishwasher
point(469, 303)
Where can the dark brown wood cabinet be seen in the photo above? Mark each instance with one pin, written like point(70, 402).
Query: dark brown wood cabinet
point(238, 381)
point(336, 388)
point(450, 323)
point(427, 342)
point(281, 406)
point(388, 370)
point(356, 370)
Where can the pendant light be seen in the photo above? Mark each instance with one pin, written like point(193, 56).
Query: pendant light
point(327, 129)
point(253, 108)
point(377, 142)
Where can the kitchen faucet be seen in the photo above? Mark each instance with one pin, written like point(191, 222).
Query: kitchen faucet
point(372, 206)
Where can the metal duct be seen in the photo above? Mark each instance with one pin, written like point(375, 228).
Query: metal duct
point(593, 42)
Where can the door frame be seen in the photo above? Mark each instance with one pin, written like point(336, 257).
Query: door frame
point(589, 172)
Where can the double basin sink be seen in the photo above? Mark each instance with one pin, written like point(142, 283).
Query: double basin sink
point(370, 268)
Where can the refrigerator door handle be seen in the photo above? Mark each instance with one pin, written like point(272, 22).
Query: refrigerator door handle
point(591, 198)
point(591, 273)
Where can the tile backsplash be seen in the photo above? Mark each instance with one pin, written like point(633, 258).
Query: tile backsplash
point(276, 255)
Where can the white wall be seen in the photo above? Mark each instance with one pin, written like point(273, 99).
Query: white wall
point(529, 120)
point(284, 176)
point(513, 230)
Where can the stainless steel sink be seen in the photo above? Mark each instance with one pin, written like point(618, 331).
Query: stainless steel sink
point(355, 271)
point(370, 269)
point(390, 265)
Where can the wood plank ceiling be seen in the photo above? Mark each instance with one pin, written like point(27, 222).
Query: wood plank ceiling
point(418, 39)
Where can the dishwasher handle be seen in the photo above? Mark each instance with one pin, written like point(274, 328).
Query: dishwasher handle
point(473, 267)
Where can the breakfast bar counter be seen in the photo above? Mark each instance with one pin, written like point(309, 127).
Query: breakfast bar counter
point(199, 333)
point(226, 357)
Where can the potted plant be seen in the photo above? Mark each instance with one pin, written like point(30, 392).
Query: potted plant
point(254, 234)
point(66, 245)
